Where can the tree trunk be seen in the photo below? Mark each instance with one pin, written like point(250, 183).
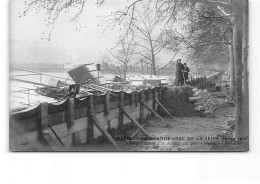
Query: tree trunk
point(237, 43)
point(232, 71)
point(153, 64)
point(245, 128)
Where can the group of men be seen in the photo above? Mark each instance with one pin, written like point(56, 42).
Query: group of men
point(182, 73)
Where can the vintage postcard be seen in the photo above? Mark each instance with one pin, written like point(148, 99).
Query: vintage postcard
point(129, 75)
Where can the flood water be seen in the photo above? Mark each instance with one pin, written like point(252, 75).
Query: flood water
point(22, 95)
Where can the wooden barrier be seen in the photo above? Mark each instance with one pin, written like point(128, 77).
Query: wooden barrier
point(90, 123)
point(70, 122)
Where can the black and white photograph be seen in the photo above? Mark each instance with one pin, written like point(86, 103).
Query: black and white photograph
point(129, 76)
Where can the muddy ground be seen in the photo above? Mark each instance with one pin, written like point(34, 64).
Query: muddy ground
point(189, 130)
point(184, 133)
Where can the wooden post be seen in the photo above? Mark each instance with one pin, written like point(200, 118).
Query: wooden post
point(146, 95)
point(154, 98)
point(237, 39)
point(107, 110)
point(43, 118)
point(70, 113)
point(141, 107)
point(244, 131)
point(160, 92)
point(232, 71)
point(107, 100)
point(121, 115)
point(46, 134)
point(136, 102)
point(132, 98)
point(90, 127)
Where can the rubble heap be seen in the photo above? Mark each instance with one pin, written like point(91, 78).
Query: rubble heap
point(176, 101)
point(203, 101)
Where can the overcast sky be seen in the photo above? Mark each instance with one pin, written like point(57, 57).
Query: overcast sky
point(86, 45)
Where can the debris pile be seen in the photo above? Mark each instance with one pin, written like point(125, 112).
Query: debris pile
point(176, 101)
point(203, 101)
point(58, 93)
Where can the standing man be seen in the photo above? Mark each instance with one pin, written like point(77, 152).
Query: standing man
point(186, 71)
point(179, 73)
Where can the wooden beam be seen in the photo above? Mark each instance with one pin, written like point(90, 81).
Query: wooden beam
point(238, 57)
point(157, 115)
point(160, 92)
point(107, 103)
point(43, 117)
point(154, 98)
point(141, 107)
point(107, 110)
point(157, 101)
point(104, 132)
point(135, 122)
point(45, 132)
point(90, 127)
point(244, 131)
point(70, 113)
point(121, 116)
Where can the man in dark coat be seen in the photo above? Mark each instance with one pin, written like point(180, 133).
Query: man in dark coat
point(179, 73)
point(186, 71)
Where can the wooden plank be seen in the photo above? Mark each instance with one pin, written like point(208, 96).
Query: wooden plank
point(157, 101)
point(107, 110)
point(238, 56)
point(107, 103)
point(90, 123)
point(43, 117)
point(136, 123)
point(132, 98)
point(160, 92)
point(141, 107)
point(157, 115)
point(154, 98)
point(71, 113)
point(104, 132)
point(120, 115)
point(245, 83)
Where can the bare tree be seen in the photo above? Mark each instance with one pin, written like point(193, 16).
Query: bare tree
point(121, 58)
point(146, 25)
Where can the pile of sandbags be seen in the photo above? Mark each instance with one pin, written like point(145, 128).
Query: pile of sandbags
point(203, 101)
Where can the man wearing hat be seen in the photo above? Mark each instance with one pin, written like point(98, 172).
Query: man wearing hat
point(186, 71)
